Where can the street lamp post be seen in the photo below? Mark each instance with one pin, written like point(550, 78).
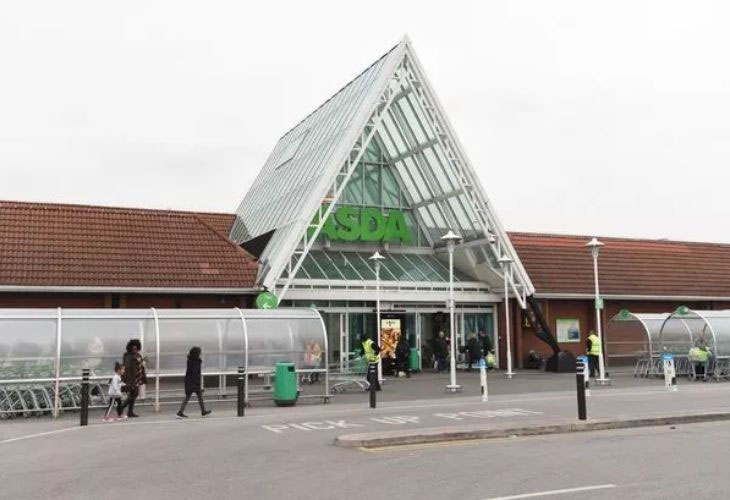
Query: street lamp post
point(506, 262)
point(595, 246)
point(376, 258)
point(451, 238)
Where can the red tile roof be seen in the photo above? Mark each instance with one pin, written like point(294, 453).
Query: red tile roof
point(561, 264)
point(43, 244)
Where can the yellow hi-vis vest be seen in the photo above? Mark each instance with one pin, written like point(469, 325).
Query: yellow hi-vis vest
point(369, 352)
point(595, 345)
point(697, 355)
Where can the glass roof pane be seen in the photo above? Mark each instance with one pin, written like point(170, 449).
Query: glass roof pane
point(391, 192)
point(311, 268)
point(412, 270)
point(371, 195)
point(394, 134)
point(426, 270)
point(325, 263)
point(412, 121)
point(435, 164)
point(396, 272)
point(425, 123)
point(406, 177)
point(352, 195)
point(359, 264)
point(418, 179)
point(382, 135)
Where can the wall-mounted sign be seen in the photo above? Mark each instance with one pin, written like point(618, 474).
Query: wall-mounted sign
point(389, 336)
point(366, 224)
point(568, 330)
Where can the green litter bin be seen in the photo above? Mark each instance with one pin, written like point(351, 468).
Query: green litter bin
point(285, 384)
point(414, 360)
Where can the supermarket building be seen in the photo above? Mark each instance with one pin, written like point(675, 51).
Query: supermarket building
point(378, 167)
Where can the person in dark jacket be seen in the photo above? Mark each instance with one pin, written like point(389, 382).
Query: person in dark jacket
point(134, 374)
point(192, 383)
point(440, 351)
point(402, 357)
point(473, 351)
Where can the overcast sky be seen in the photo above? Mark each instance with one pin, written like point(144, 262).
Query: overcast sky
point(587, 117)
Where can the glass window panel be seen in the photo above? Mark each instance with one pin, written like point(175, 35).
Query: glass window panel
point(412, 121)
point(27, 348)
point(311, 268)
point(387, 141)
point(97, 343)
point(437, 216)
point(352, 195)
point(391, 191)
point(418, 179)
point(390, 271)
point(464, 221)
point(360, 265)
point(394, 134)
point(371, 196)
point(325, 263)
point(426, 218)
point(414, 272)
point(408, 182)
point(425, 123)
point(437, 266)
point(428, 272)
point(178, 335)
point(437, 169)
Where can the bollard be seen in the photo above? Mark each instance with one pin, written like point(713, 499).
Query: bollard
point(670, 375)
point(581, 386)
point(586, 373)
point(372, 379)
point(483, 379)
point(241, 394)
point(84, 397)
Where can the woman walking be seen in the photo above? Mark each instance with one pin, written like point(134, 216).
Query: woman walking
point(134, 374)
point(192, 383)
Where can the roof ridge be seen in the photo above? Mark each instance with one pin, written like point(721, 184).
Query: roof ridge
point(89, 207)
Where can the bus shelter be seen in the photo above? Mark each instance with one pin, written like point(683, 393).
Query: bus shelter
point(43, 351)
point(686, 328)
point(633, 341)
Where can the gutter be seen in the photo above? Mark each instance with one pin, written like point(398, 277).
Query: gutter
point(591, 296)
point(123, 289)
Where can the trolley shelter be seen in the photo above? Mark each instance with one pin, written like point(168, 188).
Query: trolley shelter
point(641, 339)
point(43, 351)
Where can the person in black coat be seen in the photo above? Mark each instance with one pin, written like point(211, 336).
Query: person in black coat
point(402, 357)
point(134, 374)
point(192, 383)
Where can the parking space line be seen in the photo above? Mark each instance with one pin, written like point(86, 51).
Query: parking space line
point(555, 492)
point(39, 434)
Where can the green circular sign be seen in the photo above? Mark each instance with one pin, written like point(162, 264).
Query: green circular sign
point(266, 300)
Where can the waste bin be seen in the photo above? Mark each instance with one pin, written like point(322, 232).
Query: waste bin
point(414, 360)
point(285, 384)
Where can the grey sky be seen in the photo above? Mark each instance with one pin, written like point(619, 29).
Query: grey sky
point(580, 116)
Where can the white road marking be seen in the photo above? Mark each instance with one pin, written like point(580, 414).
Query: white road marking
point(555, 492)
point(40, 434)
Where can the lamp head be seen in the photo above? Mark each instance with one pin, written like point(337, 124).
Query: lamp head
point(595, 246)
point(376, 257)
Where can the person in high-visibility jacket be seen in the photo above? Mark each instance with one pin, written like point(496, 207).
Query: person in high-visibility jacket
point(371, 353)
point(700, 358)
point(593, 350)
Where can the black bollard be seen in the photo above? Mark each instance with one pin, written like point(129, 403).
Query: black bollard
point(372, 379)
point(84, 397)
point(241, 393)
point(581, 385)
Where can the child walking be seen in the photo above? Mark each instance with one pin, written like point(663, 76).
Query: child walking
point(192, 383)
point(115, 394)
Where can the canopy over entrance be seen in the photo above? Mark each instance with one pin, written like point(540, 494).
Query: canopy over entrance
point(376, 167)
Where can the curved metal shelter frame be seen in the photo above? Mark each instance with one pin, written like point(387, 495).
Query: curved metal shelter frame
point(52, 346)
point(686, 328)
point(634, 337)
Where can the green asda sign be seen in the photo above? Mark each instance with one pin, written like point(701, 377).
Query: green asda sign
point(366, 224)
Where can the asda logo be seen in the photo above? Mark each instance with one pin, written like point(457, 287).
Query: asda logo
point(366, 224)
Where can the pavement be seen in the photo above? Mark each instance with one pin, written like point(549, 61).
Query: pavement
point(288, 452)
